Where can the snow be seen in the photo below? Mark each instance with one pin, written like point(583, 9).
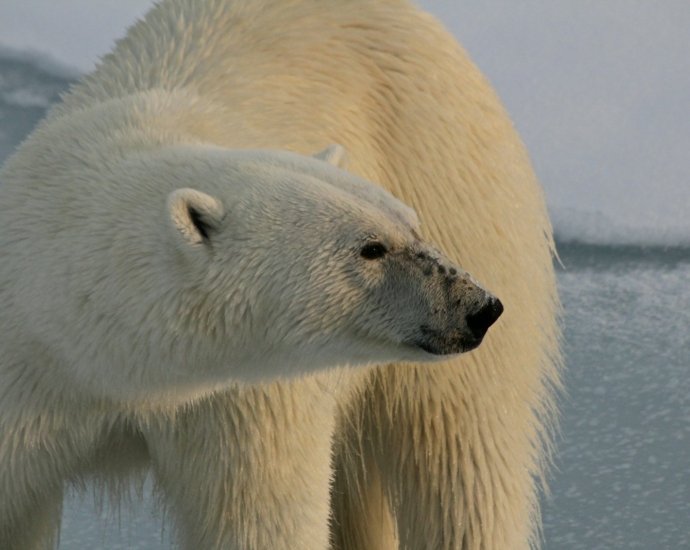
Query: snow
point(75, 33)
point(599, 92)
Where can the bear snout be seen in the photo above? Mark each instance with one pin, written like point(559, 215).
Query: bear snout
point(464, 333)
point(479, 321)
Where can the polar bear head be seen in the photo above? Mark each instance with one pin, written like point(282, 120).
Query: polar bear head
point(303, 266)
point(173, 270)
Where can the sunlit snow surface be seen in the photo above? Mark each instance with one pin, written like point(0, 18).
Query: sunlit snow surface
point(622, 475)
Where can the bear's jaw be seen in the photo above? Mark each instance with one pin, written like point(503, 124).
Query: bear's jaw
point(446, 348)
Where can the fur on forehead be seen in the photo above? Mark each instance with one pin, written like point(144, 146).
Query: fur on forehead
point(340, 179)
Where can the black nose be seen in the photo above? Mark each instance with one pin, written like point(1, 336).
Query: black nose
point(480, 321)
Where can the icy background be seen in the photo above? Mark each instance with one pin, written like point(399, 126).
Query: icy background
point(600, 92)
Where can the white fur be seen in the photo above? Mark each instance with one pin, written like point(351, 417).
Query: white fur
point(125, 338)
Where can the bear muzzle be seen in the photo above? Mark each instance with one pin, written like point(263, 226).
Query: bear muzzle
point(464, 338)
point(461, 309)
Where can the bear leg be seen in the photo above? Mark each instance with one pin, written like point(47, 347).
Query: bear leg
point(438, 463)
point(34, 524)
point(248, 469)
point(362, 516)
point(41, 449)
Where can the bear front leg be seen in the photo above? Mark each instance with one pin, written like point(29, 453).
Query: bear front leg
point(33, 523)
point(40, 449)
point(248, 469)
point(450, 471)
point(32, 473)
point(362, 516)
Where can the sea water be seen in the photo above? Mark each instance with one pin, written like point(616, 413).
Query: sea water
point(621, 475)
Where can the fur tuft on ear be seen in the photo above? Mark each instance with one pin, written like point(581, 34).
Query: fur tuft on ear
point(195, 215)
point(334, 154)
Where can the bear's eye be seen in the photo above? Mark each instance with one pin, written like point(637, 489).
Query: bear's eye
point(373, 251)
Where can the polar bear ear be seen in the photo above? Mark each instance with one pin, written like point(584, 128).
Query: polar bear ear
point(195, 215)
point(334, 154)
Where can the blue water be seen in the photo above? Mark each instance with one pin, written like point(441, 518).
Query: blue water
point(622, 474)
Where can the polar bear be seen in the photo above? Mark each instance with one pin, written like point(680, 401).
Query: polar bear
point(160, 312)
point(128, 286)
